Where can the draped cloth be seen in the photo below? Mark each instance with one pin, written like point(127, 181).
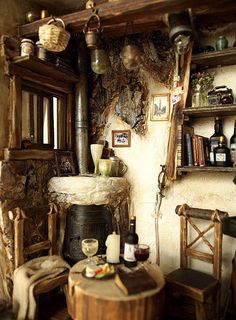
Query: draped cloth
point(27, 276)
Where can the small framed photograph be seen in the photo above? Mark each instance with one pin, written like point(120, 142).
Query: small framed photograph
point(65, 163)
point(160, 107)
point(121, 138)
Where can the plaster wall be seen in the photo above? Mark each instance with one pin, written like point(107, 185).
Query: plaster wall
point(202, 190)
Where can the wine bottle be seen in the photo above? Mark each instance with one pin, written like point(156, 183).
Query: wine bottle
point(222, 154)
point(233, 144)
point(215, 138)
point(131, 240)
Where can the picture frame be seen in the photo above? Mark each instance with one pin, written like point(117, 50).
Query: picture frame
point(121, 138)
point(65, 163)
point(160, 107)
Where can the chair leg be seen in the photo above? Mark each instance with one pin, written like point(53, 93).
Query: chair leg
point(200, 311)
point(216, 304)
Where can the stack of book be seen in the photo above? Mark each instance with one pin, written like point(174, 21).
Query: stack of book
point(192, 149)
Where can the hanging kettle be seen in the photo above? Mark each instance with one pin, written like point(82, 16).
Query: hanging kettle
point(92, 34)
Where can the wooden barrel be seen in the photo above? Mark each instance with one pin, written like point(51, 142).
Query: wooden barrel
point(102, 300)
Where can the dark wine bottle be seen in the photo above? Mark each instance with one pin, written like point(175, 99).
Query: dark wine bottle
point(233, 144)
point(222, 154)
point(131, 240)
point(215, 138)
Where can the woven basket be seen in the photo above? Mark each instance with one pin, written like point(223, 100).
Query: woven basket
point(53, 37)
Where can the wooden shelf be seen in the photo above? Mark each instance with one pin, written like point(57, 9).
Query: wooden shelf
point(219, 110)
point(44, 68)
point(28, 154)
point(206, 169)
point(215, 58)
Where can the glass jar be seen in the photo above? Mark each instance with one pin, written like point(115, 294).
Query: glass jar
point(27, 47)
point(99, 61)
point(196, 97)
point(41, 52)
point(221, 43)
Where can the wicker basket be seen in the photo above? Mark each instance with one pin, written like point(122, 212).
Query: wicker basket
point(53, 37)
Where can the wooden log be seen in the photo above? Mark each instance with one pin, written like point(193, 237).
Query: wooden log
point(205, 214)
point(103, 300)
point(177, 116)
point(124, 11)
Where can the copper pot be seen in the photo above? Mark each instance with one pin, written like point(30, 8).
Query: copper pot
point(92, 34)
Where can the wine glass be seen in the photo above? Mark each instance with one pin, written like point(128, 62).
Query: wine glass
point(141, 252)
point(89, 248)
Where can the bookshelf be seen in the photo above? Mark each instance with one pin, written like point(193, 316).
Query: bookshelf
point(207, 60)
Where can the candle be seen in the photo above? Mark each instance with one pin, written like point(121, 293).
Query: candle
point(113, 248)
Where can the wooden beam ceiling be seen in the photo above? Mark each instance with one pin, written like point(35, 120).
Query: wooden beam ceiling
point(145, 14)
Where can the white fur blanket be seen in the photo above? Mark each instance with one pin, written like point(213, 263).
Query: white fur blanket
point(27, 276)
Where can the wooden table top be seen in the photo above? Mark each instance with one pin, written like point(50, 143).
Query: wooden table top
point(107, 289)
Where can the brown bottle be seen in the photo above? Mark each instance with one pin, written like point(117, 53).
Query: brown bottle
point(215, 138)
point(222, 154)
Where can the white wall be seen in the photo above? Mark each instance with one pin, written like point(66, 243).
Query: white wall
point(202, 190)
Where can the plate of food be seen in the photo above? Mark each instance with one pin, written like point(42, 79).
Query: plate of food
point(99, 272)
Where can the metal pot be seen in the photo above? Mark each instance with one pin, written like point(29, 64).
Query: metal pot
point(118, 167)
point(92, 34)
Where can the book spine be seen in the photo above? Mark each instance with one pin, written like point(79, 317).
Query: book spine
point(195, 150)
point(179, 147)
point(201, 158)
point(189, 149)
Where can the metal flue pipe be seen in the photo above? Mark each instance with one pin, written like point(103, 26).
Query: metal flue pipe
point(81, 111)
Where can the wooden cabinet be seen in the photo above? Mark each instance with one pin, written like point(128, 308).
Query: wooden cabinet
point(210, 60)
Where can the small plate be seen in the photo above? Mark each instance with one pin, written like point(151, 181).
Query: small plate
point(105, 277)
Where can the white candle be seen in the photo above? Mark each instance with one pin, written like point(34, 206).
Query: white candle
point(113, 248)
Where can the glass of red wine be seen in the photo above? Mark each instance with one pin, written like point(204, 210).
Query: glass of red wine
point(141, 253)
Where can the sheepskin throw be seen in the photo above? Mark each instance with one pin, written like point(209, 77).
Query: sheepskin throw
point(25, 279)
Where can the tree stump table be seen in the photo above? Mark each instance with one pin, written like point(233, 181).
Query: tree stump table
point(102, 300)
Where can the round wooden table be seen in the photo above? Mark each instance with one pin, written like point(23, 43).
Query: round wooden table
point(92, 299)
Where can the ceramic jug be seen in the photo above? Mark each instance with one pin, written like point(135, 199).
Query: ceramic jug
point(113, 248)
point(118, 167)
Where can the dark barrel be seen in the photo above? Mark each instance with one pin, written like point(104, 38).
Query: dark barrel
point(85, 221)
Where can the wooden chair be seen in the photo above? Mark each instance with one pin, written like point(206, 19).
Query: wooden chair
point(35, 235)
point(191, 283)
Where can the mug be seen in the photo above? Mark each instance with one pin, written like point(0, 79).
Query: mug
point(104, 167)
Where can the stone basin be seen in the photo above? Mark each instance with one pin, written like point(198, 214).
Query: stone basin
point(88, 190)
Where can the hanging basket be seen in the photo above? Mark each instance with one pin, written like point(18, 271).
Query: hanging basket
point(54, 37)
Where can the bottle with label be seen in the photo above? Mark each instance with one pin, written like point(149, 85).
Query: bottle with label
point(215, 138)
point(222, 154)
point(131, 240)
point(233, 144)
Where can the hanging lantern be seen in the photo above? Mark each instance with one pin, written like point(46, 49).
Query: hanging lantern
point(180, 30)
point(100, 62)
point(131, 57)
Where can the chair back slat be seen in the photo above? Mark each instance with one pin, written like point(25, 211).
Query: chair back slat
point(37, 224)
point(189, 220)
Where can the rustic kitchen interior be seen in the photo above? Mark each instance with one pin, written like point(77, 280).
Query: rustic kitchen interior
point(109, 110)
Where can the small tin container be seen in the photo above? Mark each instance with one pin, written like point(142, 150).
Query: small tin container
point(27, 47)
point(41, 52)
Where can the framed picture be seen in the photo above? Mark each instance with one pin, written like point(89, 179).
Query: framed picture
point(121, 138)
point(160, 107)
point(65, 163)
